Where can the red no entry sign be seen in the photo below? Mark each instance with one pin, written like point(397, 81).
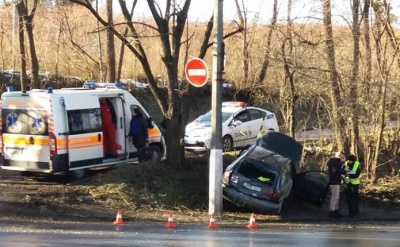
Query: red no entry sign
point(196, 72)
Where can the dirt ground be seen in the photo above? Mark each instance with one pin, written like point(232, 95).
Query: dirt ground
point(58, 198)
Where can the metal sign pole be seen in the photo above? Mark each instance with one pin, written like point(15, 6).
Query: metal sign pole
point(215, 181)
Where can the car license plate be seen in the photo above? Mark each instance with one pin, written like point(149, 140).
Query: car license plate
point(12, 151)
point(251, 187)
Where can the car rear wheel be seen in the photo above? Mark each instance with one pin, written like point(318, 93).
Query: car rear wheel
point(227, 144)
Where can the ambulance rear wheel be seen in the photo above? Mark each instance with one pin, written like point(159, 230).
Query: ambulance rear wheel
point(78, 174)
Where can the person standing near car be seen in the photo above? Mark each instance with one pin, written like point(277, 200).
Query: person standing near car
point(352, 180)
point(335, 170)
point(138, 132)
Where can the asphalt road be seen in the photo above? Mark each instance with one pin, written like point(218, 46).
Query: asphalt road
point(90, 234)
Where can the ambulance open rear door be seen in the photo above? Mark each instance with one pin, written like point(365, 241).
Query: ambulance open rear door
point(85, 136)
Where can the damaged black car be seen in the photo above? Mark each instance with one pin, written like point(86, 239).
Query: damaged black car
point(264, 176)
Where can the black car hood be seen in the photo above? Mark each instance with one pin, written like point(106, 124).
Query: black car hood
point(284, 145)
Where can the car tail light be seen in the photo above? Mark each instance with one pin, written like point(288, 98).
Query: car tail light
point(53, 143)
point(227, 176)
point(272, 193)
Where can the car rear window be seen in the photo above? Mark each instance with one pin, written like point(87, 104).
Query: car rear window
point(22, 121)
point(254, 169)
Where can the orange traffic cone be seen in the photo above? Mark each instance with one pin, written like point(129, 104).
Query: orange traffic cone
point(118, 220)
point(170, 223)
point(252, 223)
point(212, 224)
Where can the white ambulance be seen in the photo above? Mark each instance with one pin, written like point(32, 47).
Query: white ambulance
point(60, 130)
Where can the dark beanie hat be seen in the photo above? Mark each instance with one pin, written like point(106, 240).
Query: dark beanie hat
point(352, 157)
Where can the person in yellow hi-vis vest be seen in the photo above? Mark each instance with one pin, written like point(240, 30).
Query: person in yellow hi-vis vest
point(352, 181)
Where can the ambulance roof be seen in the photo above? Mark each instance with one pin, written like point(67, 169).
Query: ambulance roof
point(87, 87)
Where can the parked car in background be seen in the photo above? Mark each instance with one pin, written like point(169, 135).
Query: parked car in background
point(240, 127)
point(266, 173)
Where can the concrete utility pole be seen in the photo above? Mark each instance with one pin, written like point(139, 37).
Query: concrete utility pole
point(215, 183)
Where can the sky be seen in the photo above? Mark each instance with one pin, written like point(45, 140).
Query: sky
point(303, 11)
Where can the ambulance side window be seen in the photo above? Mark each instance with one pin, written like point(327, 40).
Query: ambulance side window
point(84, 121)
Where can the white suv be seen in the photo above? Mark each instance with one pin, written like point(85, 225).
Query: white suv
point(240, 127)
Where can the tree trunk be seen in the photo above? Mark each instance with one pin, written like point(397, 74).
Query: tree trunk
point(267, 52)
point(354, 123)
point(100, 49)
point(242, 14)
point(110, 44)
point(174, 141)
point(34, 60)
point(367, 80)
point(381, 63)
point(24, 81)
point(368, 50)
point(336, 101)
point(289, 69)
point(28, 19)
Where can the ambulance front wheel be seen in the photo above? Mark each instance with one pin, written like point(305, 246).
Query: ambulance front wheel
point(78, 174)
point(156, 153)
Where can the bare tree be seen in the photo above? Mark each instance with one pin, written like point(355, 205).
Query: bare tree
point(170, 36)
point(267, 51)
point(354, 123)
point(100, 48)
point(24, 81)
point(122, 48)
point(335, 92)
point(290, 97)
point(111, 77)
point(170, 26)
point(242, 14)
point(367, 81)
point(384, 63)
point(22, 8)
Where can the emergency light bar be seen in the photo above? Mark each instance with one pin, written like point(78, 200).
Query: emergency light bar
point(234, 104)
point(93, 85)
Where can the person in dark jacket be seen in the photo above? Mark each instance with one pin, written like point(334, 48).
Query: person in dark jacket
point(335, 170)
point(138, 132)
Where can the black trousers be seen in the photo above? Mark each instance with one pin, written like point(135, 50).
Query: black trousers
point(352, 199)
point(140, 152)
